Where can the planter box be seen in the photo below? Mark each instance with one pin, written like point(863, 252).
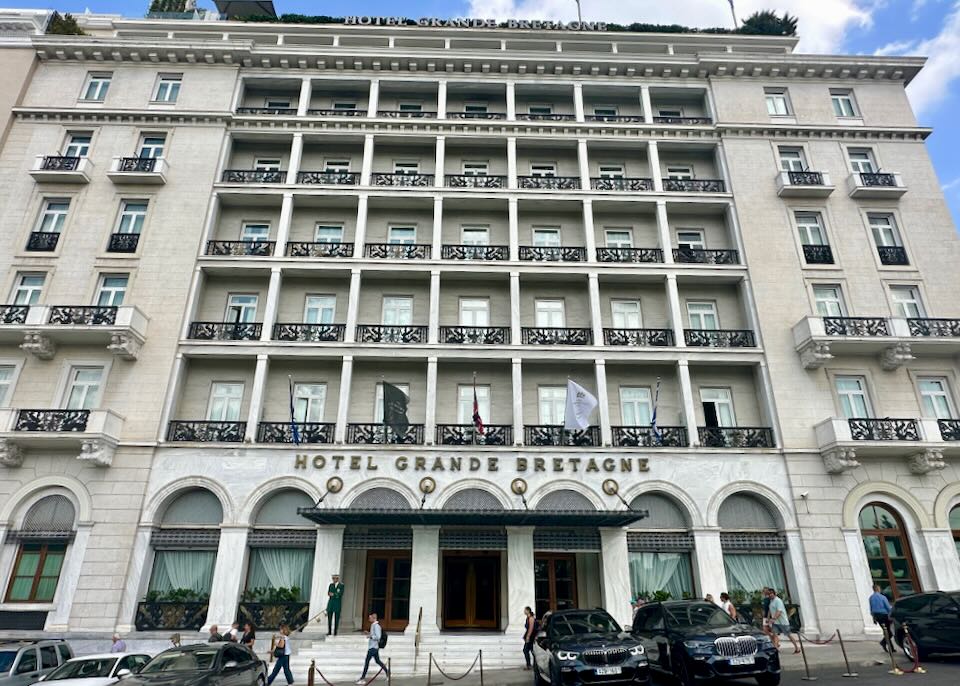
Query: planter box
point(271, 615)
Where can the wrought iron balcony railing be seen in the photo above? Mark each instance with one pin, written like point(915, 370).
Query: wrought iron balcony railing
point(52, 420)
point(949, 429)
point(555, 335)
point(240, 248)
point(381, 434)
point(225, 331)
point(622, 183)
point(397, 251)
point(736, 436)
point(166, 616)
point(308, 249)
point(14, 314)
point(475, 252)
point(334, 112)
point(543, 434)
point(856, 326)
point(704, 256)
point(84, 315)
point(878, 179)
point(549, 183)
point(294, 615)
point(43, 241)
point(402, 180)
point(123, 242)
point(893, 255)
point(325, 178)
point(476, 115)
point(629, 255)
point(885, 429)
point(719, 338)
point(646, 437)
point(282, 432)
point(475, 181)
point(206, 431)
point(618, 118)
point(60, 163)
point(286, 111)
point(254, 176)
point(137, 164)
point(475, 335)
point(934, 327)
point(383, 333)
point(467, 434)
point(537, 253)
point(638, 338)
point(817, 254)
point(553, 116)
point(311, 333)
point(688, 121)
point(805, 178)
point(406, 114)
point(694, 185)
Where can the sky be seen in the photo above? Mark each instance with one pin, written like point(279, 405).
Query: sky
point(930, 28)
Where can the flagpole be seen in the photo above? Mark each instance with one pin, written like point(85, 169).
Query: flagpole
point(473, 423)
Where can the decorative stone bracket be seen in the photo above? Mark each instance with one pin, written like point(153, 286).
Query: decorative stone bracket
point(925, 461)
point(125, 345)
point(815, 354)
point(840, 460)
point(38, 344)
point(98, 451)
point(896, 356)
point(10, 453)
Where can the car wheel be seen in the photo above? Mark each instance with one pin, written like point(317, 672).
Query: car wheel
point(261, 681)
point(537, 679)
point(768, 680)
point(908, 649)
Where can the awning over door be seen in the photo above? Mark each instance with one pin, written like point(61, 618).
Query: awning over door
point(471, 517)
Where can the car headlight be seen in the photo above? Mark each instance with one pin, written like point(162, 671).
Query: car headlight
point(566, 655)
point(637, 650)
point(699, 647)
point(764, 642)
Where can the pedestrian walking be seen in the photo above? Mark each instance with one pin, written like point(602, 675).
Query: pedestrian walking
point(334, 603)
point(765, 602)
point(282, 653)
point(119, 645)
point(880, 609)
point(529, 633)
point(779, 622)
point(249, 637)
point(373, 648)
point(215, 636)
point(728, 606)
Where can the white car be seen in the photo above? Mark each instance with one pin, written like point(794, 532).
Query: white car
point(96, 670)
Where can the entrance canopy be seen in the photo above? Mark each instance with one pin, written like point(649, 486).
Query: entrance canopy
point(467, 517)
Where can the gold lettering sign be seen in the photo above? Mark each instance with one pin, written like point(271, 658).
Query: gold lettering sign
point(442, 463)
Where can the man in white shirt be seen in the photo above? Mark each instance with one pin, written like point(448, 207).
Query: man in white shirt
point(373, 648)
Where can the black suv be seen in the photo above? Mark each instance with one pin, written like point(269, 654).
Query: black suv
point(934, 621)
point(586, 647)
point(202, 664)
point(694, 641)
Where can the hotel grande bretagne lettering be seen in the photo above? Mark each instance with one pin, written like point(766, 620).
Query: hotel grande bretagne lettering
point(519, 465)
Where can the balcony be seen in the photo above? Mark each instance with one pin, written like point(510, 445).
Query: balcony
point(937, 328)
point(704, 256)
point(307, 432)
point(381, 434)
point(631, 184)
point(327, 112)
point(406, 114)
point(855, 326)
point(803, 184)
point(719, 338)
point(476, 115)
point(269, 111)
point(549, 183)
point(240, 248)
point(949, 429)
point(549, 435)
point(634, 255)
point(475, 335)
point(308, 333)
point(537, 253)
point(138, 170)
point(920, 442)
point(43, 327)
point(554, 335)
point(43, 241)
point(684, 121)
point(307, 249)
point(206, 431)
point(171, 615)
point(225, 331)
point(59, 169)
point(615, 118)
point(893, 255)
point(735, 436)
point(883, 185)
point(647, 437)
point(489, 253)
point(123, 242)
point(694, 185)
point(638, 338)
point(529, 116)
point(397, 251)
point(383, 333)
point(475, 181)
point(817, 254)
point(93, 434)
point(467, 434)
point(254, 176)
point(325, 178)
point(14, 314)
point(400, 180)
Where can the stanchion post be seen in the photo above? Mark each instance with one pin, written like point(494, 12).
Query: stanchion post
point(888, 641)
point(481, 668)
point(846, 661)
point(917, 669)
point(806, 666)
point(389, 671)
point(430, 669)
point(310, 677)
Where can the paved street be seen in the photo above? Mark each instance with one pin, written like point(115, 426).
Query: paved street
point(938, 674)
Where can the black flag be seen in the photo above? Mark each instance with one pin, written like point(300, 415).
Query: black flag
point(395, 404)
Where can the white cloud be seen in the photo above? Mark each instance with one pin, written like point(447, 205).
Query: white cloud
point(822, 27)
point(951, 185)
point(903, 47)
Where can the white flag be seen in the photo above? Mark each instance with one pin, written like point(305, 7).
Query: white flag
point(580, 403)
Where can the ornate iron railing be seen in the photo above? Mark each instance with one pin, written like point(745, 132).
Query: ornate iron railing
point(383, 333)
point(60, 163)
point(171, 615)
point(638, 338)
point(934, 327)
point(885, 429)
point(817, 254)
point(949, 429)
point(543, 434)
point(123, 242)
point(694, 185)
point(621, 118)
point(406, 114)
point(308, 249)
point(380, 434)
point(282, 432)
point(333, 112)
point(476, 115)
point(294, 615)
point(553, 116)
point(475, 335)
point(254, 176)
point(621, 184)
point(537, 253)
point(466, 434)
point(719, 338)
point(397, 251)
point(874, 179)
point(267, 110)
point(475, 181)
point(52, 420)
point(855, 326)
point(736, 436)
point(225, 331)
point(43, 241)
point(892, 254)
point(555, 335)
point(404, 180)
point(629, 255)
point(703, 121)
point(646, 437)
point(14, 314)
point(475, 252)
point(86, 315)
point(312, 333)
point(326, 178)
point(137, 164)
point(805, 178)
point(550, 183)
point(705, 256)
point(240, 248)
point(206, 431)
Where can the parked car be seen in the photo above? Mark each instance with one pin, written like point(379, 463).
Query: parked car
point(97, 670)
point(24, 662)
point(202, 664)
point(587, 647)
point(934, 621)
point(693, 641)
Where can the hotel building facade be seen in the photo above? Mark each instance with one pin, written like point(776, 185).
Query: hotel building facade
point(203, 217)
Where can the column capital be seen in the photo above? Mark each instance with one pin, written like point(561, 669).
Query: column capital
point(426, 528)
point(519, 530)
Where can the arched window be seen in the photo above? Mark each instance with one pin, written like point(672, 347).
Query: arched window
point(752, 544)
point(196, 507)
point(660, 546)
point(888, 551)
point(281, 556)
point(47, 528)
point(955, 526)
point(473, 499)
point(380, 499)
point(565, 500)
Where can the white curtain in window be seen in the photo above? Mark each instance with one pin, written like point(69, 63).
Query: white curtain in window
point(191, 569)
point(281, 568)
point(751, 572)
point(651, 572)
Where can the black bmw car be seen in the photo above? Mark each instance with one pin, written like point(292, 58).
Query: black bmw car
point(579, 647)
point(202, 664)
point(694, 641)
point(934, 621)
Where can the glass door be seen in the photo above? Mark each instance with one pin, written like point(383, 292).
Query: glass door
point(471, 590)
point(388, 588)
point(555, 582)
point(888, 551)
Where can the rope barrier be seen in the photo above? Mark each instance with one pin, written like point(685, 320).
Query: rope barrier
point(314, 668)
point(915, 667)
point(817, 642)
point(456, 678)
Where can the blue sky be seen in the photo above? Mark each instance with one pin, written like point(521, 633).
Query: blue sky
point(914, 27)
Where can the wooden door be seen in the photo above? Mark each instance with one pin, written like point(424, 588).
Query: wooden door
point(555, 581)
point(471, 591)
point(387, 590)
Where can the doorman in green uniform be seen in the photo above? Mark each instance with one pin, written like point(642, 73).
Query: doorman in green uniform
point(334, 602)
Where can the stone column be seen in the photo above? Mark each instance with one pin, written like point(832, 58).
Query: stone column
point(256, 397)
point(615, 561)
point(58, 619)
point(433, 318)
point(327, 560)
point(437, 240)
point(174, 386)
point(515, 328)
point(583, 164)
point(210, 222)
point(366, 165)
point(227, 576)
point(373, 103)
point(442, 100)
point(796, 562)
point(511, 101)
point(306, 94)
point(676, 314)
point(360, 233)
point(512, 164)
point(513, 228)
point(137, 578)
point(438, 167)
point(353, 306)
point(296, 155)
point(424, 575)
point(663, 232)
point(653, 158)
point(270, 308)
point(689, 407)
point(589, 232)
point(861, 577)
point(516, 379)
point(430, 419)
point(603, 402)
point(942, 552)
point(578, 101)
point(711, 576)
point(283, 226)
point(343, 401)
point(646, 104)
point(596, 319)
point(521, 590)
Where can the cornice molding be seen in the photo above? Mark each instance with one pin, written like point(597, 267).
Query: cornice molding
point(823, 132)
point(103, 116)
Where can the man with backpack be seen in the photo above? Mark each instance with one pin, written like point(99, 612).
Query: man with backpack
point(376, 639)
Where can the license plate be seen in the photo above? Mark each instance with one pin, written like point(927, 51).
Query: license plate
point(606, 671)
point(741, 660)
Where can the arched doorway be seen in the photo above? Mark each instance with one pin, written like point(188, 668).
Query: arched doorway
point(753, 545)
point(955, 526)
point(660, 547)
point(888, 551)
point(47, 530)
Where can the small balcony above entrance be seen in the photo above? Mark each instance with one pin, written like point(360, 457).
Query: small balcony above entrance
point(92, 434)
point(923, 443)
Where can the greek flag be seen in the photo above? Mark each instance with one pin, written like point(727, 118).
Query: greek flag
point(653, 416)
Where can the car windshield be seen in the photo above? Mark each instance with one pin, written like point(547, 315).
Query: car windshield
point(582, 623)
point(83, 669)
point(697, 615)
point(182, 661)
point(6, 659)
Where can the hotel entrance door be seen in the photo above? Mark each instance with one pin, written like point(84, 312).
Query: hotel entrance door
point(471, 591)
point(388, 589)
point(555, 582)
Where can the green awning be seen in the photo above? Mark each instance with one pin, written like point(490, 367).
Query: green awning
point(458, 517)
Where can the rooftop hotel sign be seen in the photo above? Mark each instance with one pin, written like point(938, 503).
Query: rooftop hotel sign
point(472, 23)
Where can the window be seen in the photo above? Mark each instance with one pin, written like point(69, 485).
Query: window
point(861, 161)
point(690, 239)
point(778, 104)
point(552, 402)
point(397, 310)
point(540, 109)
point(475, 168)
point(474, 312)
point(28, 660)
point(543, 169)
point(273, 104)
point(702, 315)
point(843, 103)
point(546, 237)
point(329, 233)
point(406, 167)
point(266, 164)
point(97, 86)
point(168, 88)
point(225, 400)
point(549, 313)
point(112, 289)
point(34, 579)
point(717, 407)
point(410, 106)
point(670, 112)
point(241, 308)
point(934, 397)
point(48, 657)
point(336, 166)
point(378, 400)
point(319, 309)
point(78, 145)
point(907, 302)
point(255, 232)
point(475, 235)
point(852, 393)
point(83, 388)
point(611, 171)
point(28, 288)
point(679, 173)
point(888, 551)
point(884, 229)
point(465, 403)
point(132, 215)
point(635, 406)
point(308, 401)
point(619, 238)
point(810, 227)
point(344, 105)
point(6, 383)
point(604, 111)
point(151, 145)
point(475, 108)
point(53, 216)
point(402, 235)
point(791, 159)
point(828, 300)
point(626, 314)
